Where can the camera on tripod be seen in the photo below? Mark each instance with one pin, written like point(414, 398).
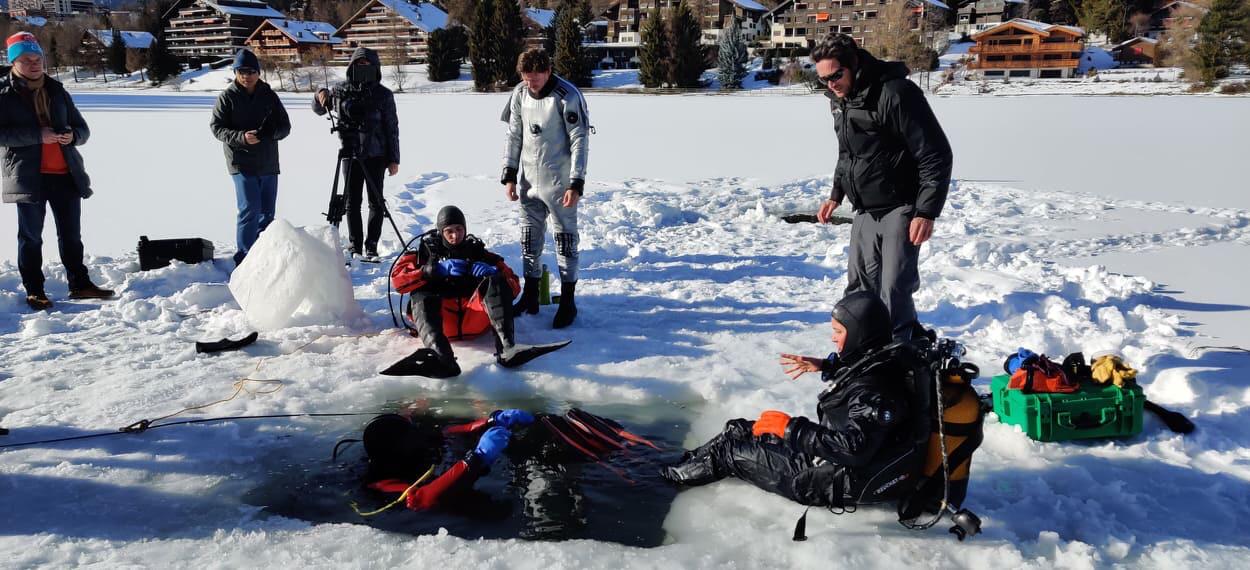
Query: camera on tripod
point(350, 103)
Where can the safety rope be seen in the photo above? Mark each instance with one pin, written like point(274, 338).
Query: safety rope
point(402, 496)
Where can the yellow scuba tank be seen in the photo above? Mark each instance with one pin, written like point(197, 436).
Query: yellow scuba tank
point(962, 426)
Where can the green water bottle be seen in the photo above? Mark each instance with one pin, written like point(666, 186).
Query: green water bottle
point(544, 287)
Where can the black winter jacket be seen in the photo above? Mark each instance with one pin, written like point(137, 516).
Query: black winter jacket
point(432, 250)
point(891, 149)
point(381, 122)
point(238, 112)
point(22, 138)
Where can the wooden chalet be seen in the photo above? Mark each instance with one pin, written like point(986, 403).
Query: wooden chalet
point(200, 31)
point(291, 40)
point(1028, 49)
point(1136, 51)
point(381, 24)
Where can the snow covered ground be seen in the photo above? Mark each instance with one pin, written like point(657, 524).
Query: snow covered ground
point(1078, 224)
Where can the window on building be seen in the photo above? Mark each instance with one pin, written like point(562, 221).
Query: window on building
point(1051, 74)
point(994, 73)
point(1021, 73)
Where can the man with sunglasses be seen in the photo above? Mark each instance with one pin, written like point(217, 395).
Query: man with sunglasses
point(894, 165)
point(249, 120)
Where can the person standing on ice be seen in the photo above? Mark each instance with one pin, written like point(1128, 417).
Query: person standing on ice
point(40, 131)
point(379, 147)
point(545, 168)
point(894, 165)
point(249, 120)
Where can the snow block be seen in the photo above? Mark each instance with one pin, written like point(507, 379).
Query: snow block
point(295, 277)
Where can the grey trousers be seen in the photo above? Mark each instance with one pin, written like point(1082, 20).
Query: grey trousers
point(538, 205)
point(884, 261)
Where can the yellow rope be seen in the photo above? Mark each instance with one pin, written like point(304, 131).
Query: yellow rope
point(401, 498)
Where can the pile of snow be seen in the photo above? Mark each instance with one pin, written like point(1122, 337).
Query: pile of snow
point(295, 277)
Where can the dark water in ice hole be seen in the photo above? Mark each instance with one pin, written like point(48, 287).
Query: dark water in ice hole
point(530, 499)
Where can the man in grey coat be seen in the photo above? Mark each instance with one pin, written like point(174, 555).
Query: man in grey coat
point(545, 168)
point(894, 165)
point(249, 120)
point(40, 130)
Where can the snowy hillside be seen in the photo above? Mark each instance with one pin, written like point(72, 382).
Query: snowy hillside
point(692, 284)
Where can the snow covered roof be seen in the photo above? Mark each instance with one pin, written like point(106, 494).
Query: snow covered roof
point(1133, 41)
point(943, 6)
point(37, 21)
point(244, 8)
point(541, 17)
point(305, 32)
point(1182, 4)
point(1040, 27)
point(132, 40)
point(750, 5)
point(425, 16)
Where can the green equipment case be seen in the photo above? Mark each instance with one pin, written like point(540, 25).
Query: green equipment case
point(1090, 412)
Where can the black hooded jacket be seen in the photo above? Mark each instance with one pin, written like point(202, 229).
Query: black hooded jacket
point(238, 112)
point(863, 414)
point(381, 120)
point(891, 149)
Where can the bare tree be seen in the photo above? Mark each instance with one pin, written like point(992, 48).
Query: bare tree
point(399, 36)
point(1176, 46)
point(136, 60)
point(320, 56)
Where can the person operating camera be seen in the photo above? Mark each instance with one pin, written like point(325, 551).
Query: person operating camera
point(372, 107)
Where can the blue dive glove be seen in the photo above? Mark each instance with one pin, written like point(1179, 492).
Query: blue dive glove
point(511, 418)
point(1015, 361)
point(483, 269)
point(492, 443)
point(454, 267)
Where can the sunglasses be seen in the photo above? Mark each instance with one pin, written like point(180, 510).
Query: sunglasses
point(832, 77)
point(246, 71)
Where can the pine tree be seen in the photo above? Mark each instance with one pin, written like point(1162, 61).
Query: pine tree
point(1039, 10)
point(687, 63)
point(732, 58)
point(161, 63)
point(482, 46)
point(570, 56)
point(1223, 39)
point(653, 56)
point(1064, 11)
point(117, 53)
point(1105, 16)
point(443, 63)
point(509, 35)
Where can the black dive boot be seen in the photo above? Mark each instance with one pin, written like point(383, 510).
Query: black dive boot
point(508, 353)
point(698, 466)
point(568, 308)
point(436, 360)
point(528, 303)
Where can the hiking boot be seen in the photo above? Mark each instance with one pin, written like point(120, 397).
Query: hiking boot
point(90, 291)
point(39, 301)
point(568, 309)
point(528, 302)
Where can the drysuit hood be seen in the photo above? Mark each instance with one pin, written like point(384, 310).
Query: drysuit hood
point(867, 323)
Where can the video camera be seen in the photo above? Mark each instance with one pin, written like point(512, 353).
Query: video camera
point(350, 106)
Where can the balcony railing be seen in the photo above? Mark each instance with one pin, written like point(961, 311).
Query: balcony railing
point(1031, 48)
point(1030, 64)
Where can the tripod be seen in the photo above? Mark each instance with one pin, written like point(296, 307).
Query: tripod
point(349, 158)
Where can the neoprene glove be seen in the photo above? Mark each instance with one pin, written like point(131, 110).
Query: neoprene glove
point(454, 267)
point(511, 418)
point(492, 443)
point(1015, 361)
point(771, 422)
point(483, 269)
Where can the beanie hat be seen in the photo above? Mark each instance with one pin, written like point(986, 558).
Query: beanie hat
point(22, 43)
point(245, 59)
point(450, 216)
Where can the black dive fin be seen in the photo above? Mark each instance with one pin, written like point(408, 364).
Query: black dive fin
point(1174, 420)
point(226, 344)
point(522, 353)
point(424, 362)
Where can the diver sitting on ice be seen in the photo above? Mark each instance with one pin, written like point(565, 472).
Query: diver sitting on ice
point(869, 442)
point(459, 289)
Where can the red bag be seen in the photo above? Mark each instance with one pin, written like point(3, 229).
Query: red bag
point(407, 275)
point(1041, 375)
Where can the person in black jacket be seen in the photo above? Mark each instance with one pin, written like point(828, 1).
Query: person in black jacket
point(249, 120)
point(379, 146)
point(863, 421)
point(894, 165)
point(40, 130)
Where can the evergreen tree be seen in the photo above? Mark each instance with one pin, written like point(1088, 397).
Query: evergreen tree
point(443, 61)
point(1064, 11)
point(509, 35)
point(161, 63)
point(1223, 39)
point(653, 55)
point(687, 63)
point(117, 53)
point(1105, 16)
point(1039, 10)
point(482, 46)
point(732, 58)
point(571, 61)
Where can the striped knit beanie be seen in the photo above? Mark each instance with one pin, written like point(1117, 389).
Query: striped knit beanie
point(22, 43)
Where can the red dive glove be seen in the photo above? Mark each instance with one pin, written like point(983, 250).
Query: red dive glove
point(771, 422)
point(469, 428)
point(429, 495)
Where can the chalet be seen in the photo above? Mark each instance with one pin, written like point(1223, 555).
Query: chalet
point(382, 24)
point(1136, 51)
point(625, 18)
point(1190, 13)
point(56, 8)
point(200, 31)
point(291, 40)
point(101, 40)
point(801, 23)
point(1027, 49)
point(981, 15)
